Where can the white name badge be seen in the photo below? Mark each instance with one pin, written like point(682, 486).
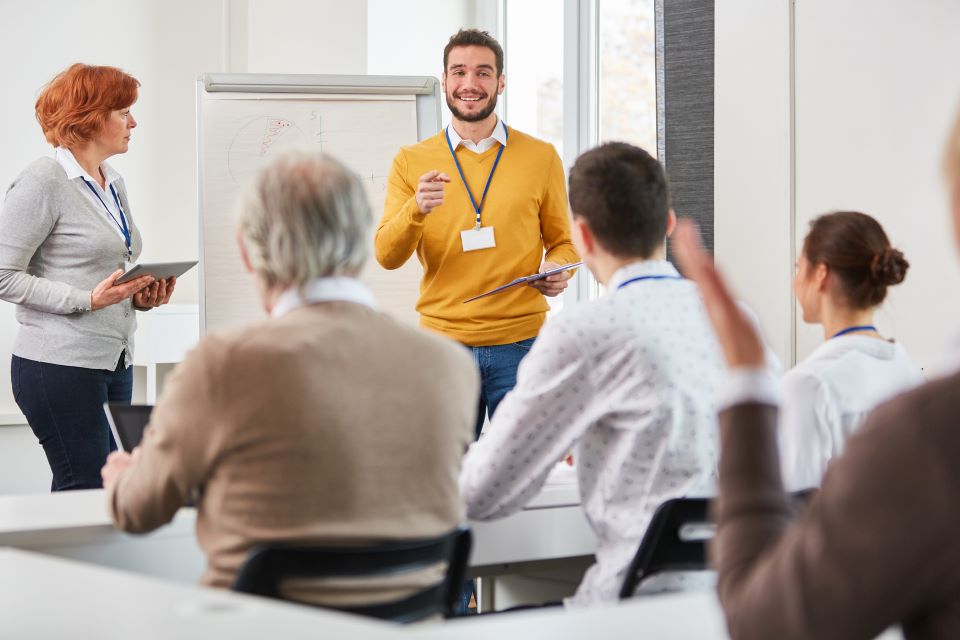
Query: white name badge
point(474, 239)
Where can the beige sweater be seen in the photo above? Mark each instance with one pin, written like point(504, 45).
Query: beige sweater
point(333, 423)
point(878, 545)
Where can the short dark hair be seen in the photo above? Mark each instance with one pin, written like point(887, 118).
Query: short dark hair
point(856, 249)
point(621, 192)
point(474, 38)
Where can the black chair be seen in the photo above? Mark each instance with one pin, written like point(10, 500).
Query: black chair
point(677, 537)
point(674, 541)
point(266, 567)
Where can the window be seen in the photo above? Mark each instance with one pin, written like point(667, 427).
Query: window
point(534, 68)
point(627, 78)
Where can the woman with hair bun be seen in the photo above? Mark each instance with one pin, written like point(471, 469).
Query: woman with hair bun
point(843, 273)
point(66, 235)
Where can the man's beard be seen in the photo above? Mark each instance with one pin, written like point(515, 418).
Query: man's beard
point(483, 114)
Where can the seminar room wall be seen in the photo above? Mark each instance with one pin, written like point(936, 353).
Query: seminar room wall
point(836, 104)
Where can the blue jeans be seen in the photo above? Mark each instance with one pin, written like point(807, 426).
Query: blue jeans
point(498, 374)
point(64, 407)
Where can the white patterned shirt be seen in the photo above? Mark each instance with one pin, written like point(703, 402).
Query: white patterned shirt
point(630, 381)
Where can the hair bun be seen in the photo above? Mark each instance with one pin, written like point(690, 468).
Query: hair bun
point(889, 267)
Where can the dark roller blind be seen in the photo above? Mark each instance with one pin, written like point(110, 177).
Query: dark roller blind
point(685, 36)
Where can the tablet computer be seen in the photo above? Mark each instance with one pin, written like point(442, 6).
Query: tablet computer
point(127, 422)
point(159, 270)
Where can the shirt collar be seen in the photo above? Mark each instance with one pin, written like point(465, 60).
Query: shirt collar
point(73, 169)
point(324, 290)
point(499, 134)
point(640, 269)
point(880, 349)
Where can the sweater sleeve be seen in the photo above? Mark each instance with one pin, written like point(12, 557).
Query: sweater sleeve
point(554, 217)
point(862, 556)
point(179, 448)
point(401, 226)
point(27, 218)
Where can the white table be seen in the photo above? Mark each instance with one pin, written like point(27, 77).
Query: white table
point(44, 597)
point(551, 527)
point(76, 525)
point(164, 335)
point(677, 617)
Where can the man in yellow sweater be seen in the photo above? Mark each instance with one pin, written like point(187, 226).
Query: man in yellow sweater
point(481, 204)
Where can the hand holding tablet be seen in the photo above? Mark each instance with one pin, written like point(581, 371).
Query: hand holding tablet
point(526, 280)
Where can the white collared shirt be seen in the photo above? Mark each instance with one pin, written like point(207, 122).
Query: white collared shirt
point(80, 178)
point(499, 135)
point(825, 398)
point(324, 290)
point(629, 380)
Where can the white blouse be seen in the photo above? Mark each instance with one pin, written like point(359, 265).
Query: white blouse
point(826, 397)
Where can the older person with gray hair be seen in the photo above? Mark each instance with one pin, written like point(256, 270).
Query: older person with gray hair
point(319, 424)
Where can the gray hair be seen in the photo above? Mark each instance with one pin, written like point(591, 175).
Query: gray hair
point(306, 216)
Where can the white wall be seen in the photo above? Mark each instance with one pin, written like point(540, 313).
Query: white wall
point(298, 36)
point(392, 51)
point(752, 184)
point(875, 90)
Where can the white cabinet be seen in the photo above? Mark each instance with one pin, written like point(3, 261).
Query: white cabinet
point(164, 335)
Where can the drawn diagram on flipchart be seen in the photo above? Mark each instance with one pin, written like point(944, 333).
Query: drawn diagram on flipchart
point(258, 140)
point(262, 137)
point(239, 135)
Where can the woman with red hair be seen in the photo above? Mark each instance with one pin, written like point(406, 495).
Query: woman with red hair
point(66, 235)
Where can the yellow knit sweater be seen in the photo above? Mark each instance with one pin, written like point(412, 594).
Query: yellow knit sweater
point(527, 208)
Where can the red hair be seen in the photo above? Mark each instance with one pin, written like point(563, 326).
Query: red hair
point(74, 106)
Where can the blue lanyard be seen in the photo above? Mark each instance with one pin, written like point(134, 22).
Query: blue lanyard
point(122, 222)
point(639, 278)
point(865, 327)
point(477, 207)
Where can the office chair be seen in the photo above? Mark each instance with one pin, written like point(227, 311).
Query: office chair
point(266, 567)
point(676, 539)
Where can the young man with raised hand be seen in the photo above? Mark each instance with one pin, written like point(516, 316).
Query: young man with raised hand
point(481, 204)
point(627, 381)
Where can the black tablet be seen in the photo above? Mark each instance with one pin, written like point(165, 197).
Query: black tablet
point(127, 422)
point(159, 270)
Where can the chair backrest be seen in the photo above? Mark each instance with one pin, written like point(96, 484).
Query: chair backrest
point(674, 541)
point(266, 567)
